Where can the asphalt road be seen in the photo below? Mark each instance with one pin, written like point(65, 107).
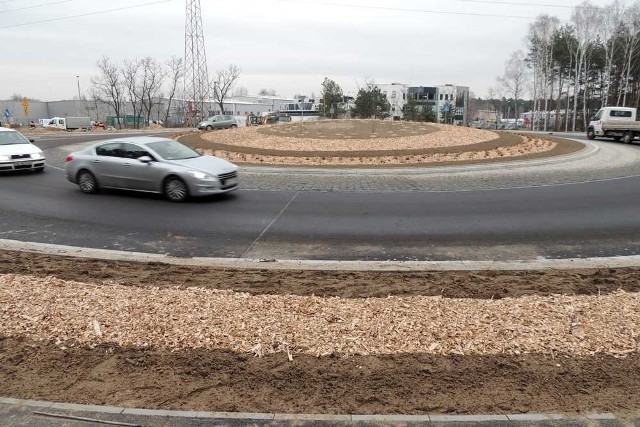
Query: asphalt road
point(590, 219)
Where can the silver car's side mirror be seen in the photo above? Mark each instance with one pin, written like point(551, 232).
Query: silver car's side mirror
point(145, 159)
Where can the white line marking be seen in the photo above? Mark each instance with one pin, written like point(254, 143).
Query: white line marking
point(270, 224)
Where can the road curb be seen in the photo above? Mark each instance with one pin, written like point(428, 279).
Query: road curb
point(325, 265)
point(396, 418)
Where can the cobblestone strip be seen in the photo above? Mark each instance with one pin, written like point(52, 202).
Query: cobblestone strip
point(602, 161)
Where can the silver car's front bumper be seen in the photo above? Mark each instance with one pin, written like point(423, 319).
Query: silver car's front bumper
point(223, 183)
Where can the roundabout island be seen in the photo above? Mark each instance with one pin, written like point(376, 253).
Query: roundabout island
point(374, 143)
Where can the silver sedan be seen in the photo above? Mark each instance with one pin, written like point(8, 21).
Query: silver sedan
point(153, 165)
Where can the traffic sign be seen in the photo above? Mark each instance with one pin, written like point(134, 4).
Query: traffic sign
point(25, 106)
point(6, 113)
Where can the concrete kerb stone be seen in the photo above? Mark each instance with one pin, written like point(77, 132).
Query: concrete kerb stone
point(326, 265)
point(601, 416)
point(89, 408)
point(467, 418)
point(391, 418)
point(313, 417)
point(535, 417)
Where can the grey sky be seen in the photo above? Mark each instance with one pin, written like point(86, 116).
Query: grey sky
point(289, 46)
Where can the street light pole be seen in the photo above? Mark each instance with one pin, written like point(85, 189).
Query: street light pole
point(79, 96)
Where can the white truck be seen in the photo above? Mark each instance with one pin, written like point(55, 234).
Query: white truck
point(69, 123)
point(619, 123)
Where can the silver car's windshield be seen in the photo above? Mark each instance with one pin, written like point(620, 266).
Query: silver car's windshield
point(11, 138)
point(173, 150)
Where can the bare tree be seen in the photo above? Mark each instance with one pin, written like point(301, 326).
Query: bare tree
point(267, 92)
point(224, 81)
point(514, 78)
point(175, 71)
point(495, 94)
point(108, 86)
point(541, 36)
point(135, 91)
point(609, 25)
point(584, 18)
point(240, 91)
point(631, 28)
point(153, 75)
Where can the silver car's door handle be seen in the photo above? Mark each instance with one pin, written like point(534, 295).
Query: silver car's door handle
point(97, 161)
point(126, 164)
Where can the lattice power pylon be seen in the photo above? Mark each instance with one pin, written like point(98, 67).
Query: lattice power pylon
point(196, 76)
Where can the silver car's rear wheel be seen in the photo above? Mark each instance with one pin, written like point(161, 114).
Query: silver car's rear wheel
point(87, 182)
point(175, 189)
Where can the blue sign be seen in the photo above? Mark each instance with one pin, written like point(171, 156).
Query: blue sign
point(446, 108)
point(6, 113)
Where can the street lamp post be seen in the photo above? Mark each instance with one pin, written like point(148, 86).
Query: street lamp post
point(79, 96)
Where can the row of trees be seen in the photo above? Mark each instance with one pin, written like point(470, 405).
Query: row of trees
point(369, 102)
point(140, 84)
point(591, 62)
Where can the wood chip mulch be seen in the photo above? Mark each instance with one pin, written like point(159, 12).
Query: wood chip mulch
point(74, 313)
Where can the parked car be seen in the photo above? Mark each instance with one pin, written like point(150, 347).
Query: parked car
point(218, 122)
point(18, 152)
point(152, 165)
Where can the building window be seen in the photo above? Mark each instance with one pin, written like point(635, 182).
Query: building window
point(441, 97)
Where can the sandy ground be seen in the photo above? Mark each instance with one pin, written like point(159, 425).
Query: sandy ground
point(357, 135)
point(410, 144)
point(576, 332)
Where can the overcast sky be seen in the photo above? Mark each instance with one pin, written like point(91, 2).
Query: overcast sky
point(286, 45)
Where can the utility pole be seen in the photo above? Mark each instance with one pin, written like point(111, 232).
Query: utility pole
point(79, 96)
point(196, 75)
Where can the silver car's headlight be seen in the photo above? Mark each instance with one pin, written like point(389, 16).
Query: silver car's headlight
point(39, 155)
point(4, 158)
point(200, 175)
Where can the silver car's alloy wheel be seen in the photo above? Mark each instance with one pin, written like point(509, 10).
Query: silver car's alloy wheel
point(175, 190)
point(87, 182)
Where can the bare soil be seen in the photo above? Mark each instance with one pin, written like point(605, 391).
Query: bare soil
point(219, 380)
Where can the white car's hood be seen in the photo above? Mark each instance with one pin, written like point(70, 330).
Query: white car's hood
point(207, 164)
point(11, 149)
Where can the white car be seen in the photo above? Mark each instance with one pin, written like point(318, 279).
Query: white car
point(18, 152)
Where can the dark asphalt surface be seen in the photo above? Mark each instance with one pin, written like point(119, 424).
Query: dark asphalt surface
point(592, 219)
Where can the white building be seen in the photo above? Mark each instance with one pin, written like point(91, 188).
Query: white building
point(397, 97)
point(453, 99)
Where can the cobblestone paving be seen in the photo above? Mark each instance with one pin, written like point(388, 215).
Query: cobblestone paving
point(599, 161)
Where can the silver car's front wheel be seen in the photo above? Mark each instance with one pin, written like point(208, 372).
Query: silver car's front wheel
point(87, 182)
point(175, 189)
